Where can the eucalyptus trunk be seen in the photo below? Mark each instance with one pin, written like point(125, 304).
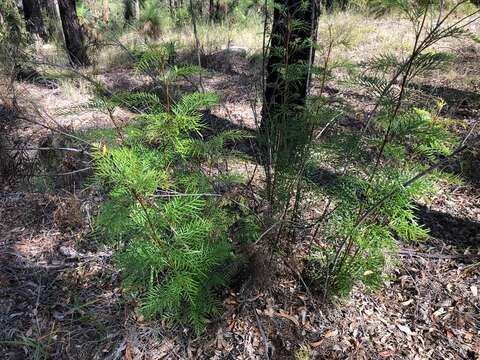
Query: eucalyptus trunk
point(105, 11)
point(74, 37)
point(284, 131)
point(33, 18)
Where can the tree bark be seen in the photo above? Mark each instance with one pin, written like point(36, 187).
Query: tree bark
point(283, 130)
point(210, 10)
point(50, 7)
point(74, 37)
point(52, 18)
point(129, 11)
point(216, 16)
point(33, 18)
point(137, 9)
point(105, 12)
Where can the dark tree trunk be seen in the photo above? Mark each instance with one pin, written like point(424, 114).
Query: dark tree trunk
point(283, 130)
point(74, 37)
point(216, 16)
point(129, 11)
point(200, 8)
point(33, 18)
point(50, 9)
point(210, 10)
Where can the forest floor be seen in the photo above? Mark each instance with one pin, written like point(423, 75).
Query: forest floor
point(60, 296)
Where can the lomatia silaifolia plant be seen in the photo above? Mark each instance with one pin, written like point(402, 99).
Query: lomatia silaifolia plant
point(371, 200)
point(162, 208)
point(365, 198)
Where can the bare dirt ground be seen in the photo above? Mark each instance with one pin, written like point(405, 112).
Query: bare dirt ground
point(60, 297)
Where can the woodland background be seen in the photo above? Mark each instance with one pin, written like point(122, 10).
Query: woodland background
point(239, 179)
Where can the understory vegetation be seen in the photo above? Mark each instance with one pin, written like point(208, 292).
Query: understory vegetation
point(162, 207)
point(320, 184)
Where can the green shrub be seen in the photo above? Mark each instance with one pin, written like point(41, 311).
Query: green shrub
point(162, 209)
point(151, 19)
point(369, 197)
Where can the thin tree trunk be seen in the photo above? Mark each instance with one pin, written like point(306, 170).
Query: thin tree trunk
point(74, 38)
point(283, 130)
point(52, 18)
point(137, 9)
point(129, 12)
point(33, 18)
point(54, 6)
point(200, 8)
point(197, 41)
point(210, 10)
point(132, 10)
point(105, 12)
point(50, 7)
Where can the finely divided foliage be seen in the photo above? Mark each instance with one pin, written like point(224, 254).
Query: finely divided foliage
point(348, 147)
point(369, 200)
point(373, 199)
point(161, 206)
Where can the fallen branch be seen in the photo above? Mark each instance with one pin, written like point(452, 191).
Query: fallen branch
point(410, 252)
point(264, 336)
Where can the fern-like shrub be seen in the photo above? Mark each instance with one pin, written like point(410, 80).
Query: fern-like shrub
point(386, 165)
point(379, 164)
point(162, 208)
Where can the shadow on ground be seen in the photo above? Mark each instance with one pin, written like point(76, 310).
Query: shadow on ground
point(55, 302)
point(459, 103)
point(451, 230)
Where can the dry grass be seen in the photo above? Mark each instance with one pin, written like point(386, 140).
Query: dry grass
point(366, 36)
point(212, 37)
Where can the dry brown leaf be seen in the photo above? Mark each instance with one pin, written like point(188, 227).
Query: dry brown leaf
point(220, 340)
point(405, 329)
point(386, 353)
point(128, 352)
point(283, 314)
point(330, 333)
point(231, 324)
point(316, 344)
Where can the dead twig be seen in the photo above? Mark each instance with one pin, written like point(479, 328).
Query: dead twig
point(409, 252)
point(264, 336)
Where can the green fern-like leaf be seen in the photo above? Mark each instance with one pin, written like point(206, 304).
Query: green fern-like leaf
point(190, 104)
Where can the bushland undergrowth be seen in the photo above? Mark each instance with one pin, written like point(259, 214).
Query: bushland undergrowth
point(166, 208)
point(369, 201)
